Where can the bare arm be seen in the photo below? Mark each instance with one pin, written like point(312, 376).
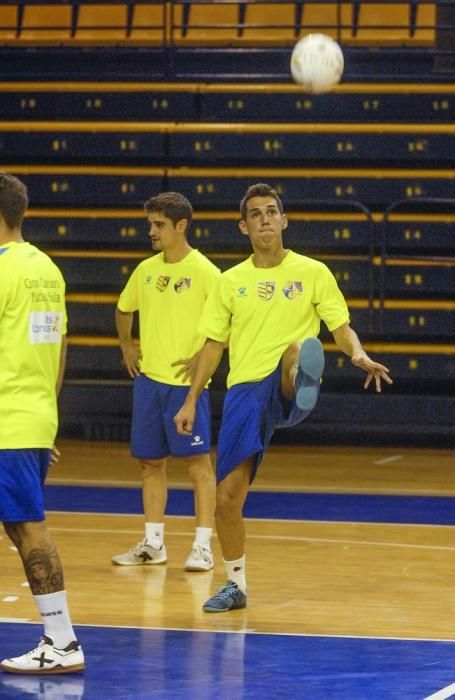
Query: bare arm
point(55, 452)
point(130, 351)
point(347, 340)
point(62, 364)
point(207, 362)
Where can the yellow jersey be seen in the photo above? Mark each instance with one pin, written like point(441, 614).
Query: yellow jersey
point(170, 298)
point(32, 322)
point(261, 311)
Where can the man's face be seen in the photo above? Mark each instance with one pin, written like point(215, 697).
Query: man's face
point(164, 234)
point(264, 223)
point(39, 572)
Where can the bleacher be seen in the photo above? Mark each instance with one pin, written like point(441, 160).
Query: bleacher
point(103, 104)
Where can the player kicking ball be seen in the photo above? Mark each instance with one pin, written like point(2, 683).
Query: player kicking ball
point(269, 308)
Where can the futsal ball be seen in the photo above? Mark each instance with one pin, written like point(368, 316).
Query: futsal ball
point(317, 63)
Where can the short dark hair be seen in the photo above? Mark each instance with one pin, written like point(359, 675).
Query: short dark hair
point(173, 205)
point(259, 190)
point(13, 200)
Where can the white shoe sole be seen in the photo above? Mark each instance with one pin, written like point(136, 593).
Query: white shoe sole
point(43, 672)
point(152, 562)
point(198, 567)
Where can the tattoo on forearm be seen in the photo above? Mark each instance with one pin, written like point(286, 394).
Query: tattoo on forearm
point(44, 569)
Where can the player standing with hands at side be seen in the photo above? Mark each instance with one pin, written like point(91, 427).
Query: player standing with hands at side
point(269, 307)
point(32, 362)
point(169, 290)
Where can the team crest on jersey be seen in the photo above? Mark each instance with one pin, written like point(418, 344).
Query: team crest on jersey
point(266, 290)
point(182, 285)
point(148, 279)
point(293, 289)
point(162, 282)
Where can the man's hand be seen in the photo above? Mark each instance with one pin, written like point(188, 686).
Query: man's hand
point(132, 356)
point(55, 456)
point(187, 367)
point(373, 369)
point(184, 419)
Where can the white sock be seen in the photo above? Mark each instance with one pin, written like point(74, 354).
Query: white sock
point(53, 608)
point(236, 572)
point(154, 534)
point(203, 536)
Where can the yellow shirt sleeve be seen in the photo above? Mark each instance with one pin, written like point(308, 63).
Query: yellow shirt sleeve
point(215, 322)
point(129, 299)
point(328, 300)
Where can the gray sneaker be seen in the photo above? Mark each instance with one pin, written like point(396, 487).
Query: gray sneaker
point(310, 368)
point(142, 553)
point(230, 597)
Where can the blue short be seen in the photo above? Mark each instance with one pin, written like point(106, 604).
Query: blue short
point(251, 413)
point(22, 476)
point(153, 431)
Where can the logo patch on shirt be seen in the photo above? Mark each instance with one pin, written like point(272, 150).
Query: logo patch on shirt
point(162, 282)
point(293, 289)
point(265, 290)
point(148, 279)
point(241, 292)
point(182, 285)
point(45, 326)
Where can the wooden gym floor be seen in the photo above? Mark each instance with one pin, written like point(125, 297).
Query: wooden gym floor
point(343, 542)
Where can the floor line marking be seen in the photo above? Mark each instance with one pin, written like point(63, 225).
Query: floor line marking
point(443, 694)
point(274, 488)
point(289, 521)
point(357, 542)
point(20, 620)
point(291, 538)
point(388, 460)
point(249, 631)
point(10, 599)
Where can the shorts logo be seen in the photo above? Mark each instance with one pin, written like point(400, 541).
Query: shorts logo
point(197, 441)
point(292, 290)
point(162, 282)
point(182, 285)
point(265, 290)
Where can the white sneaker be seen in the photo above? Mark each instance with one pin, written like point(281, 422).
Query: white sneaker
point(142, 553)
point(200, 559)
point(47, 659)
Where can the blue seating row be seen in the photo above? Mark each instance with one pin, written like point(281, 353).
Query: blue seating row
point(102, 411)
point(218, 231)
point(103, 361)
point(356, 103)
point(209, 146)
point(211, 189)
point(93, 315)
point(108, 272)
